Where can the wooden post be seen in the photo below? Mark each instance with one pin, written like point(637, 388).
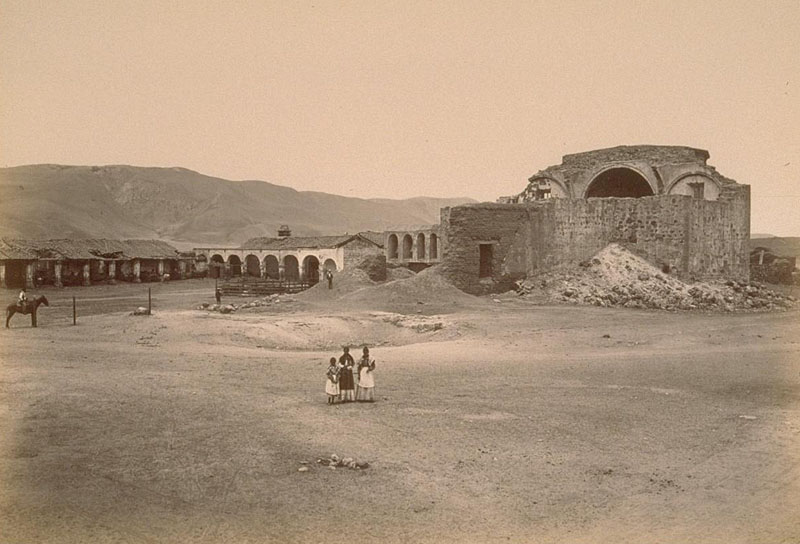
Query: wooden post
point(74, 313)
point(149, 302)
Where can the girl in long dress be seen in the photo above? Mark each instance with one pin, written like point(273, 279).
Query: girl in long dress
point(366, 381)
point(332, 381)
point(346, 383)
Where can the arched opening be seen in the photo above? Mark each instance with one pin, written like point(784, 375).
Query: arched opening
point(330, 264)
point(696, 186)
point(620, 183)
point(311, 269)
point(434, 246)
point(291, 268)
point(236, 265)
point(271, 267)
point(215, 268)
point(252, 266)
point(392, 246)
point(408, 242)
point(420, 247)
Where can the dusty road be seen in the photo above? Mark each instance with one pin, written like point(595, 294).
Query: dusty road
point(510, 423)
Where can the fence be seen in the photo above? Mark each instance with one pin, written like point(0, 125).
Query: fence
point(245, 286)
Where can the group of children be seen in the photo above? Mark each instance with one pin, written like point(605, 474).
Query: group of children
point(340, 383)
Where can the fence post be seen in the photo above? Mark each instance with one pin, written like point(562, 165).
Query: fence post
point(149, 303)
point(74, 312)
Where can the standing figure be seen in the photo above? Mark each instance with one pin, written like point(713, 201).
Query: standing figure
point(332, 381)
point(218, 295)
point(346, 383)
point(329, 277)
point(366, 378)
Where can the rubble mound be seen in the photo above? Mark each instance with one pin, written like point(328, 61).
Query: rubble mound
point(426, 287)
point(374, 266)
point(345, 282)
point(617, 277)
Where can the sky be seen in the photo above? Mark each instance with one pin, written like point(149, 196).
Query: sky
point(401, 99)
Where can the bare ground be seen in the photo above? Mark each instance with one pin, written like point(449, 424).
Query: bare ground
point(509, 423)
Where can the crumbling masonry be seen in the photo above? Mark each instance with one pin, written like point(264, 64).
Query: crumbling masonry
point(661, 202)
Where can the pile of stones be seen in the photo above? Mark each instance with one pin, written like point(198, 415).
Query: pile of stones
point(616, 277)
point(334, 461)
point(230, 308)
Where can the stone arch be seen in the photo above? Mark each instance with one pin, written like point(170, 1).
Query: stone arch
point(311, 269)
point(236, 265)
point(272, 268)
point(408, 243)
point(695, 184)
point(619, 182)
point(393, 254)
point(434, 246)
point(421, 246)
point(329, 264)
point(252, 266)
point(291, 268)
point(216, 266)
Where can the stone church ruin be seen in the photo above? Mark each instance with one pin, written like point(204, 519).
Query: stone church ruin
point(664, 203)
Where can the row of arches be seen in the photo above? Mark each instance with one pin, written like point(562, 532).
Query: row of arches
point(406, 249)
point(624, 182)
point(289, 269)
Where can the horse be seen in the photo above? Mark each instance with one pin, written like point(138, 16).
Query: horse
point(30, 308)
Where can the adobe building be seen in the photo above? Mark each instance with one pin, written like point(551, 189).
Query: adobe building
point(287, 257)
point(664, 203)
point(35, 263)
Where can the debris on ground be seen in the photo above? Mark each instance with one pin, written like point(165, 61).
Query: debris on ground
point(617, 277)
point(334, 461)
point(141, 310)
point(230, 308)
point(419, 323)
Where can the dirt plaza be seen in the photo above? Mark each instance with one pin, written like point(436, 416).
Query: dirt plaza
point(496, 421)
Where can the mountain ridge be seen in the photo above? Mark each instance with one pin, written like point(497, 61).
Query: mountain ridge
point(180, 205)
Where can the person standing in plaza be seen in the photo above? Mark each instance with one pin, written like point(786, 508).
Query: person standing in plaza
point(332, 381)
point(366, 377)
point(346, 382)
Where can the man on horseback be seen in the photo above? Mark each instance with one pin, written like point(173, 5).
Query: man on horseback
point(22, 303)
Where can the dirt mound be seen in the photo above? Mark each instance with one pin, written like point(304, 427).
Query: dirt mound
point(399, 273)
point(426, 287)
point(345, 282)
point(617, 277)
point(374, 266)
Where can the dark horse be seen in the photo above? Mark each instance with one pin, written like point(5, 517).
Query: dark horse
point(30, 308)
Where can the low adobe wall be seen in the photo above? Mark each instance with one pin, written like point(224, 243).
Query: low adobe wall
point(693, 238)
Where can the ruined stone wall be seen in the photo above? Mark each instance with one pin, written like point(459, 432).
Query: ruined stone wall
point(357, 250)
point(693, 238)
point(464, 228)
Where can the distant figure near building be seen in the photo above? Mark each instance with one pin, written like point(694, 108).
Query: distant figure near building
point(218, 295)
point(329, 277)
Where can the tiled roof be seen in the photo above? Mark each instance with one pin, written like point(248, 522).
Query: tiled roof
point(298, 242)
point(94, 248)
point(372, 236)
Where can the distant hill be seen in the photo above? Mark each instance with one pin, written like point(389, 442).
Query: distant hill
point(783, 246)
point(185, 207)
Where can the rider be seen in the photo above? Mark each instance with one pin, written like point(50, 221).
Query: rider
point(23, 299)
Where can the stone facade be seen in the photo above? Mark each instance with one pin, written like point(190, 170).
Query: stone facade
point(702, 236)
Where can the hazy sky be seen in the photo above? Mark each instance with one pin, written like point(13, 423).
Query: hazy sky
point(401, 99)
